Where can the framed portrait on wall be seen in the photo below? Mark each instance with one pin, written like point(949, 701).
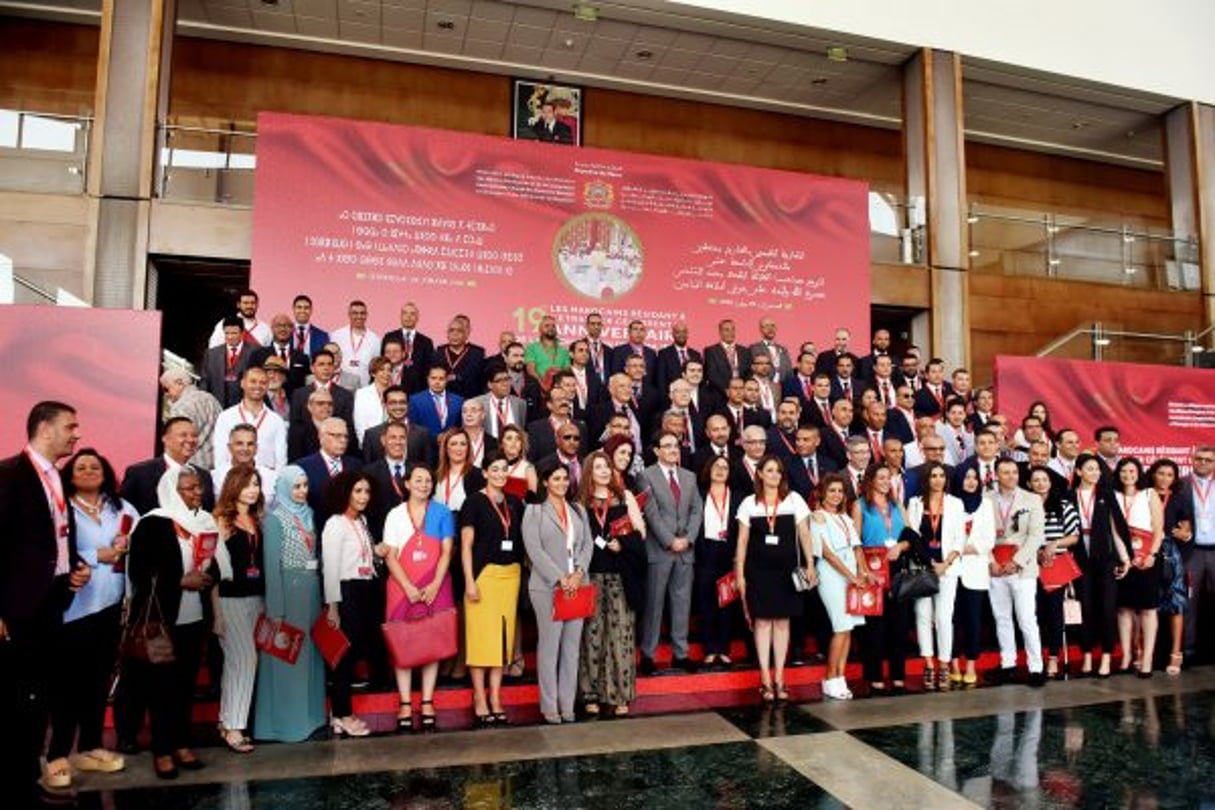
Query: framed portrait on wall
point(547, 112)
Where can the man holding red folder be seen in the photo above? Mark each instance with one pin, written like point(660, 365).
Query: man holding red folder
point(1020, 533)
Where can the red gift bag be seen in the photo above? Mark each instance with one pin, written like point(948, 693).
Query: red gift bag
point(422, 640)
point(1060, 572)
point(877, 564)
point(865, 601)
point(278, 638)
point(727, 589)
point(331, 642)
point(517, 487)
point(1003, 554)
point(579, 606)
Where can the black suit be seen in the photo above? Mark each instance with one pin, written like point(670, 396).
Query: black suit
point(541, 440)
point(418, 359)
point(386, 494)
point(532, 395)
point(784, 449)
point(718, 370)
point(298, 364)
point(898, 427)
point(624, 351)
point(833, 445)
point(419, 449)
point(704, 454)
point(602, 413)
point(826, 362)
point(812, 414)
point(750, 416)
point(927, 405)
point(559, 132)
point(140, 481)
point(343, 408)
point(302, 439)
point(464, 370)
point(215, 373)
point(669, 368)
point(799, 476)
point(32, 601)
point(318, 484)
point(977, 421)
point(837, 389)
point(864, 366)
point(596, 392)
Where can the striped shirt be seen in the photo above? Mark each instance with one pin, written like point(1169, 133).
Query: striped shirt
point(1061, 523)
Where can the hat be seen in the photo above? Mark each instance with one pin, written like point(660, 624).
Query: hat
point(273, 363)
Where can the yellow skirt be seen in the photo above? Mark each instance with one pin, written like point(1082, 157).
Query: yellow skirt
point(489, 625)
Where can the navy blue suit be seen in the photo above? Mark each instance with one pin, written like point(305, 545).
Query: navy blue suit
point(624, 351)
point(422, 411)
point(317, 471)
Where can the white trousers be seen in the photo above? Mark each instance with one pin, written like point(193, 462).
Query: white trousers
point(937, 610)
point(1019, 594)
point(240, 659)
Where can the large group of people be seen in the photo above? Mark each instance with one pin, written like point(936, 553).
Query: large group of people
point(433, 506)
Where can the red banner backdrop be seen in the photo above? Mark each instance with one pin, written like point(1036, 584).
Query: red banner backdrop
point(1160, 411)
point(505, 230)
point(104, 362)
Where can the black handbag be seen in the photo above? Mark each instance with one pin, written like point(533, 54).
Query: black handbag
point(147, 639)
point(915, 581)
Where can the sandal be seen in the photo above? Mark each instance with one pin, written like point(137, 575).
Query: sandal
point(591, 709)
point(945, 680)
point(499, 718)
point(782, 694)
point(1174, 667)
point(621, 711)
point(405, 721)
point(766, 694)
point(99, 760)
point(428, 720)
point(236, 741)
point(930, 679)
point(516, 668)
point(58, 775)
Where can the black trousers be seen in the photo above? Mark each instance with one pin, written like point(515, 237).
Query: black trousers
point(885, 639)
point(170, 689)
point(714, 622)
point(85, 654)
point(24, 683)
point(361, 615)
point(1097, 591)
point(968, 615)
point(1050, 618)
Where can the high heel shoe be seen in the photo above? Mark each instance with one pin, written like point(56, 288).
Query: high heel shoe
point(1174, 667)
point(428, 720)
point(349, 727)
point(766, 694)
point(405, 722)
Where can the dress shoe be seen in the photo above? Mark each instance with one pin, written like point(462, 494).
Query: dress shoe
point(647, 666)
point(1037, 680)
point(686, 664)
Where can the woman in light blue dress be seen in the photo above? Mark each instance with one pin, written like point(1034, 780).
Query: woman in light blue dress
point(291, 698)
point(834, 537)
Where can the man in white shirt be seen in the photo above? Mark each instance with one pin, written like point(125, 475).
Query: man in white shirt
point(358, 343)
point(959, 444)
point(252, 410)
point(257, 332)
point(1068, 447)
point(242, 448)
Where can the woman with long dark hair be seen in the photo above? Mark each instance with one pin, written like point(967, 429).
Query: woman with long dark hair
point(1061, 529)
point(1165, 478)
point(1139, 590)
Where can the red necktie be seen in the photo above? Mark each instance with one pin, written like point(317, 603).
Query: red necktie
point(676, 490)
point(847, 389)
point(886, 394)
point(299, 340)
point(807, 389)
point(875, 444)
point(232, 355)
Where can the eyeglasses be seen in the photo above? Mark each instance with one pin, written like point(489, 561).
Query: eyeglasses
point(568, 436)
point(668, 446)
point(755, 441)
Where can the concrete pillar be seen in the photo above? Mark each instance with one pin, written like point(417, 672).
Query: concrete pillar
point(132, 96)
point(1189, 137)
point(936, 172)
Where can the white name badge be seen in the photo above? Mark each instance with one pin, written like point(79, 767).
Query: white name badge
point(508, 545)
point(419, 556)
point(600, 542)
point(772, 539)
point(891, 542)
point(311, 565)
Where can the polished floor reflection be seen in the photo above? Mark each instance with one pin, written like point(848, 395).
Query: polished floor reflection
point(1148, 752)
point(1118, 743)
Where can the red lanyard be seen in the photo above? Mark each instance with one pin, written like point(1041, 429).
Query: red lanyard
point(360, 531)
point(1086, 510)
point(844, 526)
point(601, 516)
point(721, 507)
point(887, 516)
point(1202, 493)
point(934, 518)
point(245, 418)
point(460, 355)
point(475, 448)
point(563, 518)
point(1125, 504)
point(502, 411)
point(1005, 514)
point(418, 525)
point(503, 514)
point(354, 354)
point(785, 441)
point(304, 533)
point(447, 486)
point(770, 515)
point(896, 487)
point(56, 495)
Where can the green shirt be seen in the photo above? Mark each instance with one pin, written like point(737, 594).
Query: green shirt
point(543, 359)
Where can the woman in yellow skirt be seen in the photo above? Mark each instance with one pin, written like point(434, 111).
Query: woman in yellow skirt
point(492, 553)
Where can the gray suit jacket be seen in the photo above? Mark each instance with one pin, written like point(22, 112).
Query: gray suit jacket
point(785, 368)
point(518, 411)
point(665, 521)
point(545, 542)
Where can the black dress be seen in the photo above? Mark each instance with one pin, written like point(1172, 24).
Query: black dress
point(769, 566)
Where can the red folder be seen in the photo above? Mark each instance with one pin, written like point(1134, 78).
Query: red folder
point(204, 549)
point(278, 638)
point(332, 643)
point(865, 601)
point(878, 564)
point(516, 487)
point(642, 498)
point(727, 589)
point(579, 606)
point(1003, 554)
point(621, 526)
point(1141, 544)
point(1060, 572)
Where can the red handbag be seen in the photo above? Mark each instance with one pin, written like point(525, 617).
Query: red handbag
point(579, 606)
point(424, 640)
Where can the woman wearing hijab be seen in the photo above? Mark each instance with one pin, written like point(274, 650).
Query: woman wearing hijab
point(291, 698)
point(165, 568)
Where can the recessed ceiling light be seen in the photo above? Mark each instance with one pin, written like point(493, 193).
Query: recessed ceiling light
point(644, 54)
point(1079, 125)
point(269, 2)
point(585, 12)
point(837, 54)
point(1130, 133)
point(446, 25)
point(569, 42)
point(819, 81)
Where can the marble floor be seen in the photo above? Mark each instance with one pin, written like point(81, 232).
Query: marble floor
point(1122, 742)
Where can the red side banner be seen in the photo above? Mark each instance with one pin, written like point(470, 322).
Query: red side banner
point(1160, 411)
point(104, 362)
point(505, 230)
